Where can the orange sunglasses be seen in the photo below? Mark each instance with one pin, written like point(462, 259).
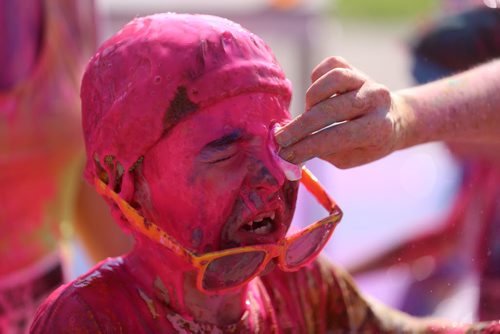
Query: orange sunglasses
point(229, 269)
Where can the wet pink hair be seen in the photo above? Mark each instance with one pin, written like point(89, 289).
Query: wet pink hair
point(156, 71)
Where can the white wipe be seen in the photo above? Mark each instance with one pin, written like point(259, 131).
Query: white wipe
point(292, 172)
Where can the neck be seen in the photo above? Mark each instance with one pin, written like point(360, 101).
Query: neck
point(173, 281)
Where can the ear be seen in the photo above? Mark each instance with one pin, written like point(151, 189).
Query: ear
point(126, 183)
point(135, 189)
point(126, 191)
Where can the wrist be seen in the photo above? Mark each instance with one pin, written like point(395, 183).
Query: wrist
point(404, 121)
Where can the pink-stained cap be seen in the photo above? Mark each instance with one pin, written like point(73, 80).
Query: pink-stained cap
point(157, 70)
point(292, 172)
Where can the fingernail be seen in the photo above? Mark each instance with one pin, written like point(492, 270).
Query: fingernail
point(287, 154)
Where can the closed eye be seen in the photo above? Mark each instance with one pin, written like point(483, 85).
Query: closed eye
point(221, 149)
point(218, 154)
point(220, 160)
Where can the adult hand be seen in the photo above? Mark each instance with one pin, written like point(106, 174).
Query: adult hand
point(349, 120)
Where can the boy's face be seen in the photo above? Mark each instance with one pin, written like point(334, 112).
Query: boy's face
point(211, 182)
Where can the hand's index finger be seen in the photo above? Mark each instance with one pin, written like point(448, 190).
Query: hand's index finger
point(347, 136)
point(336, 109)
point(289, 134)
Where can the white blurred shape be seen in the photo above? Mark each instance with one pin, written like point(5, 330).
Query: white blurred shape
point(418, 175)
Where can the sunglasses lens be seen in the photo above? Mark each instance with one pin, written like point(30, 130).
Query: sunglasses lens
point(231, 270)
point(308, 245)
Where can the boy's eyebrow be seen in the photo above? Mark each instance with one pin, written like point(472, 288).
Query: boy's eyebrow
point(225, 140)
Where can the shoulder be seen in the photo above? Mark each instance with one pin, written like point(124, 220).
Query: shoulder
point(64, 311)
point(80, 306)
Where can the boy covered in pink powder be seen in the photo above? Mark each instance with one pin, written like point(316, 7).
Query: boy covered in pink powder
point(178, 117)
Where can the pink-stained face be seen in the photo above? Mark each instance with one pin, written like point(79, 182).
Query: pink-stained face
point(177, 111)
point(212, 183)
point(155, 72)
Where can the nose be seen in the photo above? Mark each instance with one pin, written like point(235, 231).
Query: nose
point(265, 176)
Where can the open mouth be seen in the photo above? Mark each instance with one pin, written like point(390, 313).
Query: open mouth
point(262, 224)
point(265, 226)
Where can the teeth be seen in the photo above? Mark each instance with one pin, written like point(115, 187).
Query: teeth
point(263, 229)
point(271, 216)
point(258, 226)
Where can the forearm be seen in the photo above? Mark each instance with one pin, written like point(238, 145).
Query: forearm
point(464, 107)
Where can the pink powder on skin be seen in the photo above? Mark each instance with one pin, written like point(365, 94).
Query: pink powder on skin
point(153, 74)
point(224, 178)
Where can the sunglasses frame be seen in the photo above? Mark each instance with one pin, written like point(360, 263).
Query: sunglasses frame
point(201, 262)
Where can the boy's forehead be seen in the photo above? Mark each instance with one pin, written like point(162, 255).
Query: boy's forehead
point(235, 116)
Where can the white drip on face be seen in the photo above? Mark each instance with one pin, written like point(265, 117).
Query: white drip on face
point(292, 172)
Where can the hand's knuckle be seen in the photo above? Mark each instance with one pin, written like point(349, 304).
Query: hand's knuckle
point(360, 102)
point(383, 95)
point(340, 74)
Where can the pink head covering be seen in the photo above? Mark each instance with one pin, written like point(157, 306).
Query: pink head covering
point(157, 70)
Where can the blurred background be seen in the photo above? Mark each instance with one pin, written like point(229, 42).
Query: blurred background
point(383, 202)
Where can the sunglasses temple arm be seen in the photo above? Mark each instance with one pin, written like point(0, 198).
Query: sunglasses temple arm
point(318, 191)
point(138, 223)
